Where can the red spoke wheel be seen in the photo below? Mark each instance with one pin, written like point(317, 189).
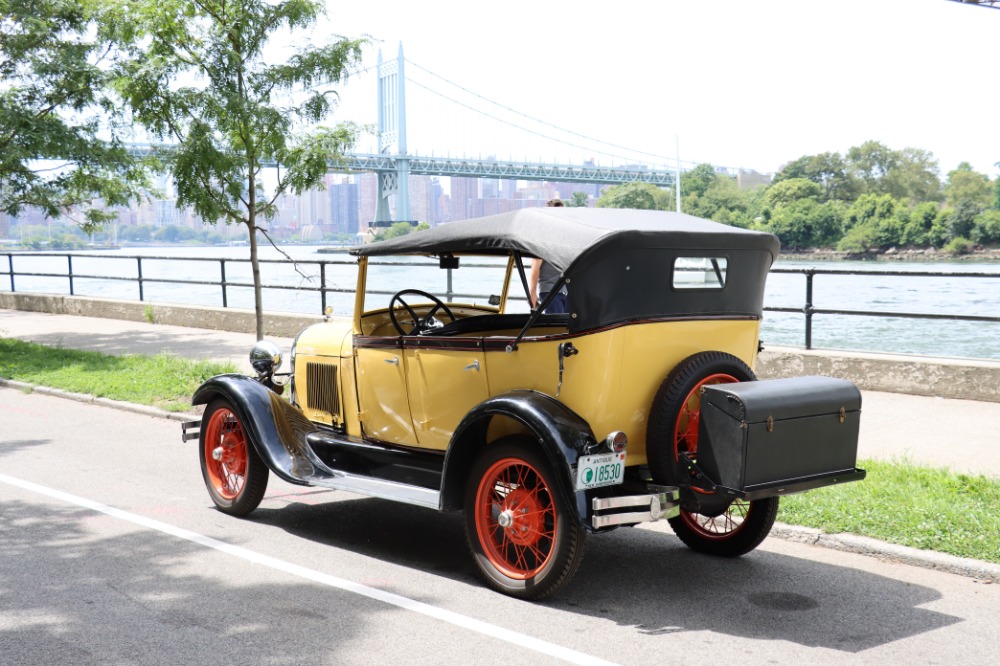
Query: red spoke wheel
point(234, 474)
point(673, 430)
point(736, 531)
point(522, 536)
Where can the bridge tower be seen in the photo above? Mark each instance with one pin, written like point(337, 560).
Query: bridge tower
point(392, 139)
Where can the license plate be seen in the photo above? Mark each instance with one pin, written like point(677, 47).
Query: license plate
point(604, 469)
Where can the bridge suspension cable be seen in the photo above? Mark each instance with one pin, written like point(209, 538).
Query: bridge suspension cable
point(599, 142)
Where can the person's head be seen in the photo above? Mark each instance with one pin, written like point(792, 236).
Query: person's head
point(555, 203)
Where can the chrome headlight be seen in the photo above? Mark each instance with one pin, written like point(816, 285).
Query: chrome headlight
point(265, 357)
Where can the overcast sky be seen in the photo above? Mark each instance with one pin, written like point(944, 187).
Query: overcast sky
point(737, 83)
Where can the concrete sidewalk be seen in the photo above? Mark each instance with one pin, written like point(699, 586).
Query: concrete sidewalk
point(962, 435)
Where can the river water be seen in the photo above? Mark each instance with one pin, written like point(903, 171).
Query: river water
point(948, 295)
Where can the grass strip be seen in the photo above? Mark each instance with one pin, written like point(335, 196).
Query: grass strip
point(165, 381)
point(910, 505)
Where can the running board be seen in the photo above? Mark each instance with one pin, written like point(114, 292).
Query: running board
point(372, 487)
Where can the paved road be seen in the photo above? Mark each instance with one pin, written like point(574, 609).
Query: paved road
point(110, 553)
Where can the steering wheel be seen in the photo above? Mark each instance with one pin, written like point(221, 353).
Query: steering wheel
point(428, 323)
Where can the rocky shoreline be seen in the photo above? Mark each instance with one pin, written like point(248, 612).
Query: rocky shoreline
point(978, 255)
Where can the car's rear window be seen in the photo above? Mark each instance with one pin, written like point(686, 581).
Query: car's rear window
point(699, 273)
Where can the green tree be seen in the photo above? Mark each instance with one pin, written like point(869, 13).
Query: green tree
point(695, 182)
point(872, 224)
point(968, 194)
point(579, 200)
point(919, 224)
point(55, 107)
point(399, 229)
point(200, 79)
point(629, 195)
point(870, 163)
point(723, 201)
point(987, 228)
point(966, 185)
point(664, 199)
point(828, 170)
point(788, 191)
point(996, 190)
point(914, 177)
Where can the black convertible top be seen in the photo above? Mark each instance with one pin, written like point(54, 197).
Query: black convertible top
point(619, 265)
point(561, 236)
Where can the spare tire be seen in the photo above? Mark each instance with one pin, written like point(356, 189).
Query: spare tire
point(672, 428)
point(708, 522)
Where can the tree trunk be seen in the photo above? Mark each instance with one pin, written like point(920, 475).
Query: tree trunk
point(258, 302)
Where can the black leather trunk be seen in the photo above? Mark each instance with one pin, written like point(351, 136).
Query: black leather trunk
point(779, 436)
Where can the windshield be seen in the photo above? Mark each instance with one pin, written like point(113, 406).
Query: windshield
point(478, 281)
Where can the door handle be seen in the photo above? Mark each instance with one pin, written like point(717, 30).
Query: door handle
point(473, 366)
point(392, 361)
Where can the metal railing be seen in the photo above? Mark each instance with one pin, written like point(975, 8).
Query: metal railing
point(324, 288)
point(808, 309)
point(141, 280)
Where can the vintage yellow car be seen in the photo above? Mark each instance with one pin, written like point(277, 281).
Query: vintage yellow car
point(447, 391)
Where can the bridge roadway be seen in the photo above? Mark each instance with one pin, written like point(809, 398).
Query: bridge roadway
point(478, 168)
point(471, 167)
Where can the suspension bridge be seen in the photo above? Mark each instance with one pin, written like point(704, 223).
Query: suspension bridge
point(394, 164)
point(443, 109)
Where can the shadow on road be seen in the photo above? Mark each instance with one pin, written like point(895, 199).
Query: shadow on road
point(72, 593)
point(644, 579)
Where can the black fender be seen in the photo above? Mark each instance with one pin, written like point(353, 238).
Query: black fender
point(561, 433)
point(280, 441)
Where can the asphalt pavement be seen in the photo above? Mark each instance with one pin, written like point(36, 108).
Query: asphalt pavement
point(957, 434)
point(111, 552)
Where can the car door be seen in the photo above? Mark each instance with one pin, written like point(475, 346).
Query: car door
point(382, 395)
point(445, 379)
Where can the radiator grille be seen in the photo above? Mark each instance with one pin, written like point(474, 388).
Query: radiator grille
point(321, 387)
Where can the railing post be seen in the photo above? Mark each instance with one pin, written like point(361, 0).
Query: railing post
point(69, 259)
point(225, 295)
point(449, 292)
point(139, 264)
point(10, 263)
point(808, 309)
point(322, 287)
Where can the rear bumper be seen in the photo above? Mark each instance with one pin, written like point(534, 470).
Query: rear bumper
point(661, 502)
point(190, 430)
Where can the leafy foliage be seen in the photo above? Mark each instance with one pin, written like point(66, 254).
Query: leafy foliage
point(399, 229)
point(629, 195)
point(60, 144)
point(870, 200)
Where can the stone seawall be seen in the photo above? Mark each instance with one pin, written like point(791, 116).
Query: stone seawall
point(963, 379)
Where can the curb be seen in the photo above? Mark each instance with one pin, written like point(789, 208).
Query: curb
point(104, 402)
point(980, 572)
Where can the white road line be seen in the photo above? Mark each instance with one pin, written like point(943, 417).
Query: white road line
point(405, 603)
